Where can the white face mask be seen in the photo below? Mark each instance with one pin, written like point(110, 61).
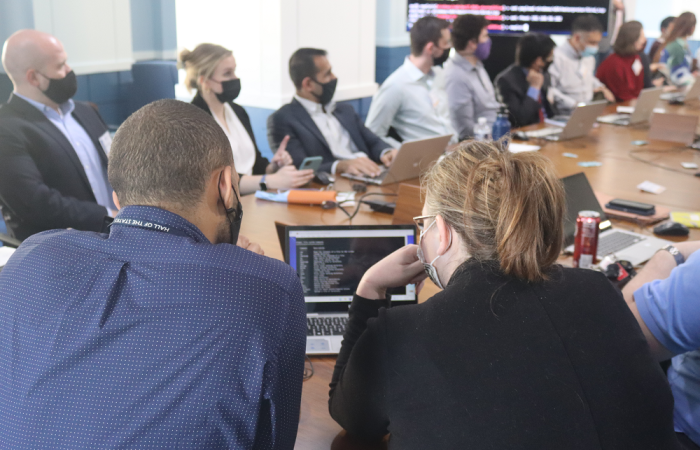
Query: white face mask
point(429, 268)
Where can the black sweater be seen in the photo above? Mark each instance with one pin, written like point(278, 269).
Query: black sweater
point(496, 363)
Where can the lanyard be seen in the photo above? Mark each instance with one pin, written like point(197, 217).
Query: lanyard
point(150, 226)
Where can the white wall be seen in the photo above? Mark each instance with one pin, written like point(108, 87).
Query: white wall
point(263, 34)
point(391, 23)
point(652, 12)
point(95, 33)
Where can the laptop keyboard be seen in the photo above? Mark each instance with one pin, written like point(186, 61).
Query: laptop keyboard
point(616, 241)
point(326, 326)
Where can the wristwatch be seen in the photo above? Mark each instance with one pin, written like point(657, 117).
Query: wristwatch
point(263, 186)
point(677, 255)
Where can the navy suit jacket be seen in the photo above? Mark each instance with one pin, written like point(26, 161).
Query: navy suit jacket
point(305, 139)
point(512, 86)
point(42, 183)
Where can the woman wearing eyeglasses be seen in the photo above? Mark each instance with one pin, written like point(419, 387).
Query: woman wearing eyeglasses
point(515, 351)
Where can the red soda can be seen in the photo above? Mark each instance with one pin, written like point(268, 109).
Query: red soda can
point(586, 243)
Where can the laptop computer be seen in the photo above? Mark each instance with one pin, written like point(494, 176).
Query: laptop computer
point(643, 109)
point(413, 158)
point(691, 93)
point(330, 261)
point(625, 245)
point(580, 123)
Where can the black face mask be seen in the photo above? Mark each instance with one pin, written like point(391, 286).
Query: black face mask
point(231, 89)
point(440, 60)
point(237, 213)
point(546, 66)
point(61, 90)
point(328, 91)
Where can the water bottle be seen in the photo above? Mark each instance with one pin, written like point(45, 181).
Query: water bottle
point(482, 130)
point(501, 126)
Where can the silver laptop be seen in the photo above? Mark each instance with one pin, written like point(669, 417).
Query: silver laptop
point(330, 261)
point(580, 123)
point(691, 93)
point(625, 245)
point(413, 158)
point(643, 109)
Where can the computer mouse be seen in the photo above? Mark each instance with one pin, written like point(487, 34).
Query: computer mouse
point(671, 229)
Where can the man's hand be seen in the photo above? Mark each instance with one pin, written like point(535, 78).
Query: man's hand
point(398, 269)
point(535, 79)
point(244, 243)
point(388, 157)
point(358, 166)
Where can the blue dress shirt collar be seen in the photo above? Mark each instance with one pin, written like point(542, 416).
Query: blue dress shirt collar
point(65, 107)
point(157, 217)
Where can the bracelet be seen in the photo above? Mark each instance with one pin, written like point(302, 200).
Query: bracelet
point(677, 255)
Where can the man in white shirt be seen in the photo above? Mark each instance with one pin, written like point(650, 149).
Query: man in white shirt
point(572, 72)
point(317, 126)
point(404, 108)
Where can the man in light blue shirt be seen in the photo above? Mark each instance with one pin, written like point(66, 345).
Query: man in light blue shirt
point(404, 101)
point(53, 150)
point(665, 299)
point(83, 146)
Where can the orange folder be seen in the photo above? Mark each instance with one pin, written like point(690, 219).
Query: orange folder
point(310, 197)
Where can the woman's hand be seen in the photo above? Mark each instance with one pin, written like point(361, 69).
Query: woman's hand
point(398, 269)
point(281, 158)
point(289, 177)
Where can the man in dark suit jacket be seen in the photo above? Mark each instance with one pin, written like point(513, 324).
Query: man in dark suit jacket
point(316, 126)
point(53, 151)
point(523, 86)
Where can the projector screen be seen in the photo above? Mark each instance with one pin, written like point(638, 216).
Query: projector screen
point(514, 16)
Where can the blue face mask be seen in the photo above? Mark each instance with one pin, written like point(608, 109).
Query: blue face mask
point(590, 50)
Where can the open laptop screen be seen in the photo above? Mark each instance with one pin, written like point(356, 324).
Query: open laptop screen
point(331, 260)
point(579, 197)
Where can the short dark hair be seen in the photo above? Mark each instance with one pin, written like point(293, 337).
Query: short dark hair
point(666, 22)
point(586, 24)
point(627, 36)
point(531, 46)
point(302, 64)
point(466, 28)
point(426, 30)
point(164, 154)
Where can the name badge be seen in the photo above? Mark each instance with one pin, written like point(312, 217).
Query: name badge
point(637, 67)
point(106, 142)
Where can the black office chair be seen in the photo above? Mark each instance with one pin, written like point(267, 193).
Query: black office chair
point(8, 241)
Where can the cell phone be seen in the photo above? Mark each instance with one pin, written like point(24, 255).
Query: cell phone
point(642, 209)
point(311, 162)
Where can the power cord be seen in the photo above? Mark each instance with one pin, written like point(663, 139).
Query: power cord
point(308, 371)
point(633, 154)
point(359, 203)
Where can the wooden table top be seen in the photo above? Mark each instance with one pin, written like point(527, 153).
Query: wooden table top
point(618, 176)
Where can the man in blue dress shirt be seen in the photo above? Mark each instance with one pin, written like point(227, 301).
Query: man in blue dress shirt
point(53, 150)
point(160, 334)
point(665, 299)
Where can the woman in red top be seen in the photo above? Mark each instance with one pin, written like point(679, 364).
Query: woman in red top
point(623, 72)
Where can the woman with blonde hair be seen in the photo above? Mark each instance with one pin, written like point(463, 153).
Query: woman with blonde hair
point(516, 351)
point(211, 71)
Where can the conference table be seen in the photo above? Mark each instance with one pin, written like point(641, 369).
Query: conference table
point(624, 165)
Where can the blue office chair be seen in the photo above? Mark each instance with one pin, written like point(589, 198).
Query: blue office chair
point(153, 80)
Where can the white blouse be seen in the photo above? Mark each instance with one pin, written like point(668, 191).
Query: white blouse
point(241, 143)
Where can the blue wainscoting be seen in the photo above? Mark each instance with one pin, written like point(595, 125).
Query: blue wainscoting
point(389, 59)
